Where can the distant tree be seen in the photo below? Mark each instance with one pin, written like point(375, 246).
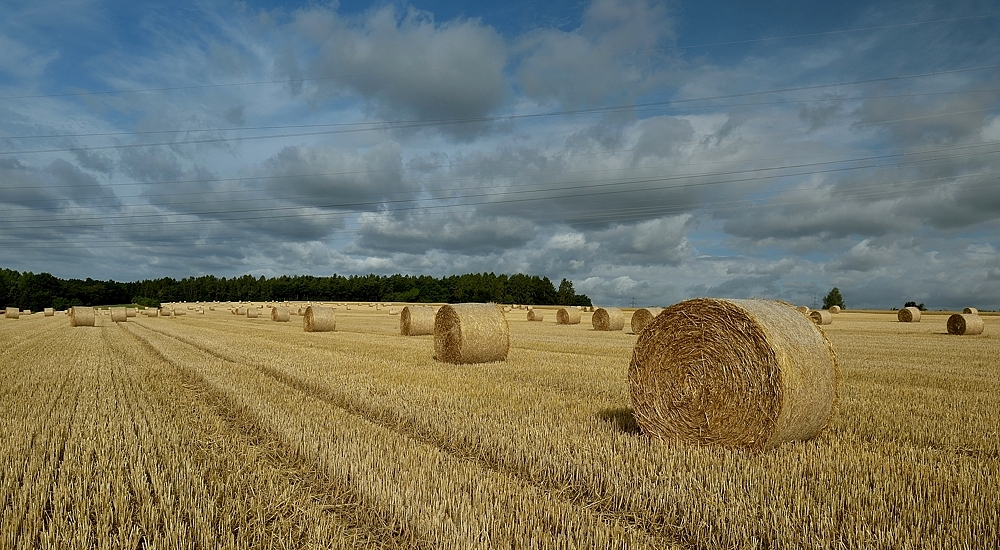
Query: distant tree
point(834, 299)
point(919, 306)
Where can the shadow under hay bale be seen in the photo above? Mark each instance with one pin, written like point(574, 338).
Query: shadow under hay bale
point(471, 333)
point(622, 419)
point(735, 373)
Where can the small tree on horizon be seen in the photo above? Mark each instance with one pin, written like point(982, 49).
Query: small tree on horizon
point(834, 299)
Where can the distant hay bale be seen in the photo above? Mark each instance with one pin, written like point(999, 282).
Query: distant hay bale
point(416, 321)
point(152, 312)
point(803, 309)
point(82, 317)
point(568, 316)
point(965, 324)
point(471, 333)
point(49, 312)
point(179, 312)
point(319, 319)
point(821, 317)
point(130, 312)
point(166, 312)
point(908, 315)
point(118, 315)
point(534, 315)
point(734, 373)
point(241, 311)
point(531, 308)
point(348, 308)
point(26, 312)
point(211, 308)
point(834, 309)
point(280, 314)
point(971, 310)
point(393, 311)
point(641, 318)
point(253, 313)
point(12, 313)
point(608, 318)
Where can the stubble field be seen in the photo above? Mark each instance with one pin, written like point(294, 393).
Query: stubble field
point(214, 431)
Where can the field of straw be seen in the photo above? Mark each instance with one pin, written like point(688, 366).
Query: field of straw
point(218, 430)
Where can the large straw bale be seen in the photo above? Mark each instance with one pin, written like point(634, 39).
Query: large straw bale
point(280, 314)
point(12, 313)
point(48, 312)
point(642, 317)
point(130, 312)
point(319, 319)
point(535, 315)
point(834, 309)
point(471, 333)
point(971, 310)
point(608, 318)
point(908, 315)
point(821, 317)
point(82, 316)
point(568, 316)
point(965, 324)
point(253, 312)
point(740, 373)
point(416, 321)
point(118, 315)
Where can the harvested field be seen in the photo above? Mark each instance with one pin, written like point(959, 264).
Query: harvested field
point(211, 431)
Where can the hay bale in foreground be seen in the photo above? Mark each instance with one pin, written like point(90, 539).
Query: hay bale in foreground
point(82, 316)
point(471, 333)
point(834, 309)
point(12, 313)
point(49, 312)
point(642, 317)
point(965, 324)
point(416, 321)
point(130, 312)
point(608, 318)
point(908, 315)
point(319, 319)
point(118, 315)
point(971, 310)
point(534, 315)
point(734, 373)
point(821, 317)
point(568, 316)
point(280, 314)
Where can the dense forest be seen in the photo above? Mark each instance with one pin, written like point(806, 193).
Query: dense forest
point(37, 291)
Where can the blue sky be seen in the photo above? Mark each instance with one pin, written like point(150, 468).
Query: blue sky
point(661, 150)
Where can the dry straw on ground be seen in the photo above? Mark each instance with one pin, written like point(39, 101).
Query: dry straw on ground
point(834, 309)
point(82, 316)
point(568, 316)
point(965, 324)
point(535, 315)
point(319, 319)
point(642, 317)
point(821, 317)
point(12, 313)
point(971, 310)
point(608, 318)
point(118, 315)
point(908, 315)
point(741, 373)
point(48, 312)
point(416, 321)
point(471, 333)
point(280, 314)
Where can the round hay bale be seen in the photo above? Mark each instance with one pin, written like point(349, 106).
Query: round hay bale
point(241, 311)
point(470, 333)
point(416, 321)
point(82, 317)
point(280, 314)
point(49, 312)
point(834, 309)
point(179, 312)
point(821, 317)
point(534, 315)
point(12, 313)
point(803, 309)
point(26, 312)
point(118, 315)
point(319, 319)
point(253, 313)
point(568, 316)
point(971, 310)
point(965, 324)
point(152, 312)
point(908, 315)
point(642, 317)
point(393, 311)
point(734, 373)
point(130, 312)
point(211, 308)
point(608, 318)
point(531, 308)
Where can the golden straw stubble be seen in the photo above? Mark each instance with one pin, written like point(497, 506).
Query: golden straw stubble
point(735, 373)
point(416, 321)
point(471, 333)
point(965, 324)
point(319, 319)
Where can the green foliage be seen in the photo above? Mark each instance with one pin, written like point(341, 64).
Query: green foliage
point(919, 306)
point(834, 299)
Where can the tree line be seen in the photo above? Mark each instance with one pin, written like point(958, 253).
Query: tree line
point(36, 291)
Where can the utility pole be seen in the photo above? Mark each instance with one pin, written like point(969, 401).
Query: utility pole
point(632, 303)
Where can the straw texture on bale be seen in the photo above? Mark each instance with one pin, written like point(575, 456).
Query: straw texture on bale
point(568, 316)
point(965, 324)
point(26, 312)
point(152, 312)
point(82, 317)
point(319, 319)
point(908, 315)
point(130, 312)
point(821, 317)
point(734, 373)
point(641, 318)
point(280, 314)
point(253, 313)
point(118, 315)
point(534, 315)
point(12, 313)
point(241, 311)
point(470, 333)
point(971, 310)
point(416, 321)
point(834, 309)
point(179, 312)
point(608, 318)
point(49, 312)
